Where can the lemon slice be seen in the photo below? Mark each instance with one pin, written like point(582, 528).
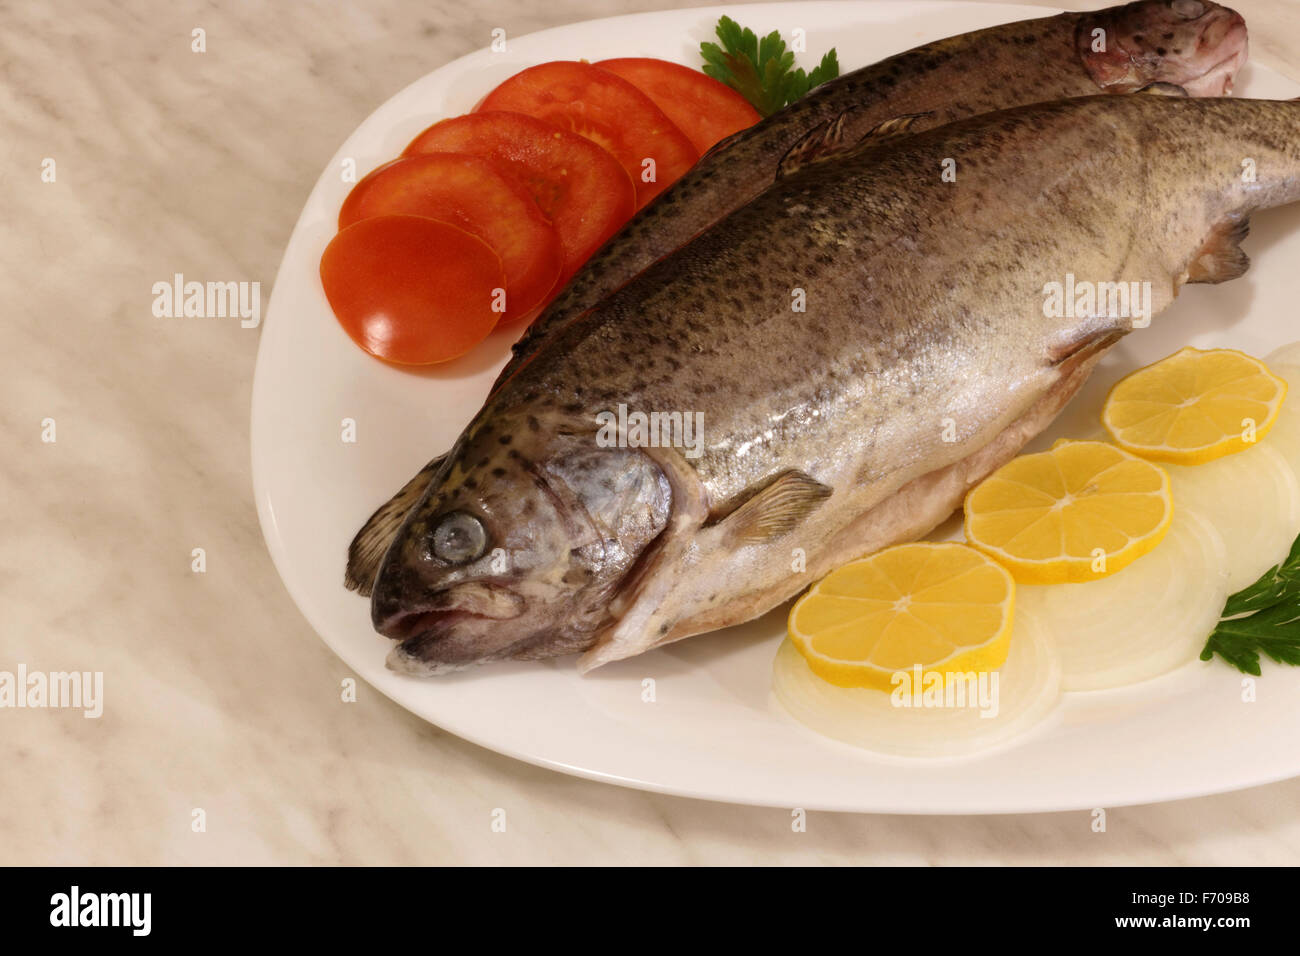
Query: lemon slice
point(1076, 513)
point(1194, 406)
point(941, 606)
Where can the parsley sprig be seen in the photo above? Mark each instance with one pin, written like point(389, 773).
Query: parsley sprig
point(761, 70)
point(1262, 618)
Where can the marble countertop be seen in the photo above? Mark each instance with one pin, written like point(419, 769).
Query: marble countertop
point(221, 699)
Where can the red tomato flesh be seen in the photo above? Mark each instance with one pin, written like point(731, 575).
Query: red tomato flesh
point(606, 109)
point(704, 109)
point(580, 187)
point(468, 192)
point(411, 290)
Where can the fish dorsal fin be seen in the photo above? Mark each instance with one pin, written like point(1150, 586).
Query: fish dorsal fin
point(368, 548)
point(1163, 89)
point(823, 140)
point(777, 509)
point(1221, 258)
point(827, 140)
point(899, 125)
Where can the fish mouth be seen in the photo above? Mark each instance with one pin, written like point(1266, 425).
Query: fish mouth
point(1218, 79)
point(422, 625)
point(436, 641)
point(1223, 29)
point(443, 641)
point(447, 629)
point(444, 612)
point(398, 602)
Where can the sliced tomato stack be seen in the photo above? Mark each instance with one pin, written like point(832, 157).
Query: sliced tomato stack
point(484, 217)
point(387, 278)
point(704, 109)
point(606, 109)
point(580, 187)
point(467, 192)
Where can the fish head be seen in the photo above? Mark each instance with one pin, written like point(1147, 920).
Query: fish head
point(1195, 44)
point(517, 549)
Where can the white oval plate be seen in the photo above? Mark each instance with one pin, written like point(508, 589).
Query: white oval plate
point(714, 729)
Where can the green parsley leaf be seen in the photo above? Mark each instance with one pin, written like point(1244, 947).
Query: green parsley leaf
point(827, 69)
point(1262, 618)
point(761, 70)
point(1272, 586)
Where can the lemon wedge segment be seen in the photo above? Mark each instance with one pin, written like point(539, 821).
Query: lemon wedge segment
point(942, 606)
point(1194, 406)
point(1079, 512)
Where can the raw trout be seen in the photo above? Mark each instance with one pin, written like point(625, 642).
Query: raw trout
point(1190, 43)
point(926, 354)
point(1197, 45)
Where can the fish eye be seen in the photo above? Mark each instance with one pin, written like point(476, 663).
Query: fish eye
point(1188, 9)
point(459, 538)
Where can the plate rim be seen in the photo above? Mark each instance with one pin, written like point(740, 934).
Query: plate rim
point(278, 549)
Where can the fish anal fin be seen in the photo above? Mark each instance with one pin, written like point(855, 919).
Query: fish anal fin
point(829, 139)
point(776, 510)
point(367, 550)
point(1221, 258)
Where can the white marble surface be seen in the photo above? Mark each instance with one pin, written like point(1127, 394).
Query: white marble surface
point(218, 695)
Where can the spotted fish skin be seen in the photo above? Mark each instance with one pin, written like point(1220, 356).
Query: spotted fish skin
point(924, 360)
point(1196, 45)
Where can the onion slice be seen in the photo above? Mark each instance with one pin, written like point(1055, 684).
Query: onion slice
point(1028, 688)
point(1144, 620)
point(1288, 354)
point(1253, 500)
point(1285, 436)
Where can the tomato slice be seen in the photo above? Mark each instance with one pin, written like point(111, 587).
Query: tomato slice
point(468, 192)
point(412, 290)
point(704, 109)
point(579, 186)
point(606, 109)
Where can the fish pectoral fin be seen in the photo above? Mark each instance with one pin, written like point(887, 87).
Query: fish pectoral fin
point(1161, 88)
point(776, 510)
point(1221, 258)
point(1080, 348)
point(368, 548)
point(827, 140)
